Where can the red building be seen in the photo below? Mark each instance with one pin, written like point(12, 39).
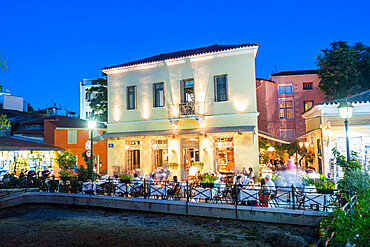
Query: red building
point(282, 99)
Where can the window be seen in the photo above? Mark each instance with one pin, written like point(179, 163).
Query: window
point(221, 88)
point(87, 96)
point(1, 105)
point(286, 108)
point(308, 104)
point(285, 89)
point(88, 114)
point(158, 94)
point(131, 98)
point(287, 133)
point(72, 137)
point(307, 85)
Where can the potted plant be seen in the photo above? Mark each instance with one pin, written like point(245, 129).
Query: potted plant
point(125, 177)
point(207, 181)
point(173, 165)
point(198, 164)
point(324, 186)
point(65, 174)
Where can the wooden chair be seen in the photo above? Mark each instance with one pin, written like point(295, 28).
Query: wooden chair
point(174, 193)
point(272, 197)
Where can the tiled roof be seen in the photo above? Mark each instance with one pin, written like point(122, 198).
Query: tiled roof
point(69, 122)
point(180, 54)
point(64, 122)
point(363, 97)
point(296, 72)
point(12, 143)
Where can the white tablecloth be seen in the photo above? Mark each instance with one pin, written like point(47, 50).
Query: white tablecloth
point(158, 191)
point(205, 193)
point(91, 186)
point(248, 195)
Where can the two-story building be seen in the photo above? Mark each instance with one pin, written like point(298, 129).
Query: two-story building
point(297, 92)
point(182, 107)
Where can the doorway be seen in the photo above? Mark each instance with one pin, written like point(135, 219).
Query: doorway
point(133, 159)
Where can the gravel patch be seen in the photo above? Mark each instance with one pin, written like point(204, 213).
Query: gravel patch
point(42, 225)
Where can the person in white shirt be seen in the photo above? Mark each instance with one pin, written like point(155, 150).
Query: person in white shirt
point(269, 183)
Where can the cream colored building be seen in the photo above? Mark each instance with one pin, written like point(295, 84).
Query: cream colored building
point(326, 130)
point(182, 107)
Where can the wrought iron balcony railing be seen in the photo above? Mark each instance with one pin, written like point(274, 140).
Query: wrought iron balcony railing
point(186, 110)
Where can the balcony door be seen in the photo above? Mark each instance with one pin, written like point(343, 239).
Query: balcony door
point(187, 97)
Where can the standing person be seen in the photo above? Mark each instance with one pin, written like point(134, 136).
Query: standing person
point(290, 166)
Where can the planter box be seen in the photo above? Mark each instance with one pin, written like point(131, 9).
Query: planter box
point(207, 185)
point(125, 181)
point(325, 191)
point(65, 179)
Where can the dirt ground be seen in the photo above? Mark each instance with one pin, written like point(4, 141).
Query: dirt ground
point(36, 225)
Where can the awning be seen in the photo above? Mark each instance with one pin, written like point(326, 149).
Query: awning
point(178, 132)
point(308, 132)
point(14, 144)
point(272, 137)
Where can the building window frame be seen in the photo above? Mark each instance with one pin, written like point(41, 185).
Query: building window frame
point(216, 88)
point(308, 103)
point(307, 85)
point(131, 90)
point(286, 110)
point(283, 88)
point(156, 93)
point(72, 136)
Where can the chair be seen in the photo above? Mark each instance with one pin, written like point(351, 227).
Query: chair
point(300, 197)
point(175, 193)
point(224, 195)
point(53, 185)
point(272, 197)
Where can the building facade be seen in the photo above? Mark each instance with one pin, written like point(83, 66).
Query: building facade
point(11, 102)
point(326, 130)
point(297, 92)
point(183, 107)
point(85, 97)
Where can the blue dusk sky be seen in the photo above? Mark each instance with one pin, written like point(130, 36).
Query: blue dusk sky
point(52, 45)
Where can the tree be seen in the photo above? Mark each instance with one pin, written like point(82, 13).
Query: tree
point(344, 70)
point(67, 160)
point(3, 65)
point(99, 100)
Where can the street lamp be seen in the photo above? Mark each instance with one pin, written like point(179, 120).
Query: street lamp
point(345, 109)
point(92, 125)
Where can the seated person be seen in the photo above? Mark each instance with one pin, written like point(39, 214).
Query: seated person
point(269, 183)
point(152, 179)
point(136, 180)
point(251, 173)
point(175, 187)
point(263, 193)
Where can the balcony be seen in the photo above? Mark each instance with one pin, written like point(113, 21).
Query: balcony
point(186, 110)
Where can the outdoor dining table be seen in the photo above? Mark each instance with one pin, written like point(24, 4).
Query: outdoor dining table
point(200, 193)
point(91, 186)
point(249, 194)
point(158, 191)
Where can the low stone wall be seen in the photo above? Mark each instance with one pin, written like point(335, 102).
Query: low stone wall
point(248, 213)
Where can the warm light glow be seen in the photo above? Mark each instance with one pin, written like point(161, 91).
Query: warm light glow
point(146, 112)
point(262, 150)
point(300, 144)
point(306, 144)
point(117, 114)
point(345, 110)
point(240, 105)
point(127, 146)
point(91, 124)
point(270, 149)
point(155, 146)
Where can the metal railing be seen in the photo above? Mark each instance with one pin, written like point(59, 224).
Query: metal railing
point(282, 197)
point(188, 109)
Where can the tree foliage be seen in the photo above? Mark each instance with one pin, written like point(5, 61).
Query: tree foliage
point(344, 70)
point(99, 101)
point(67, 160)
